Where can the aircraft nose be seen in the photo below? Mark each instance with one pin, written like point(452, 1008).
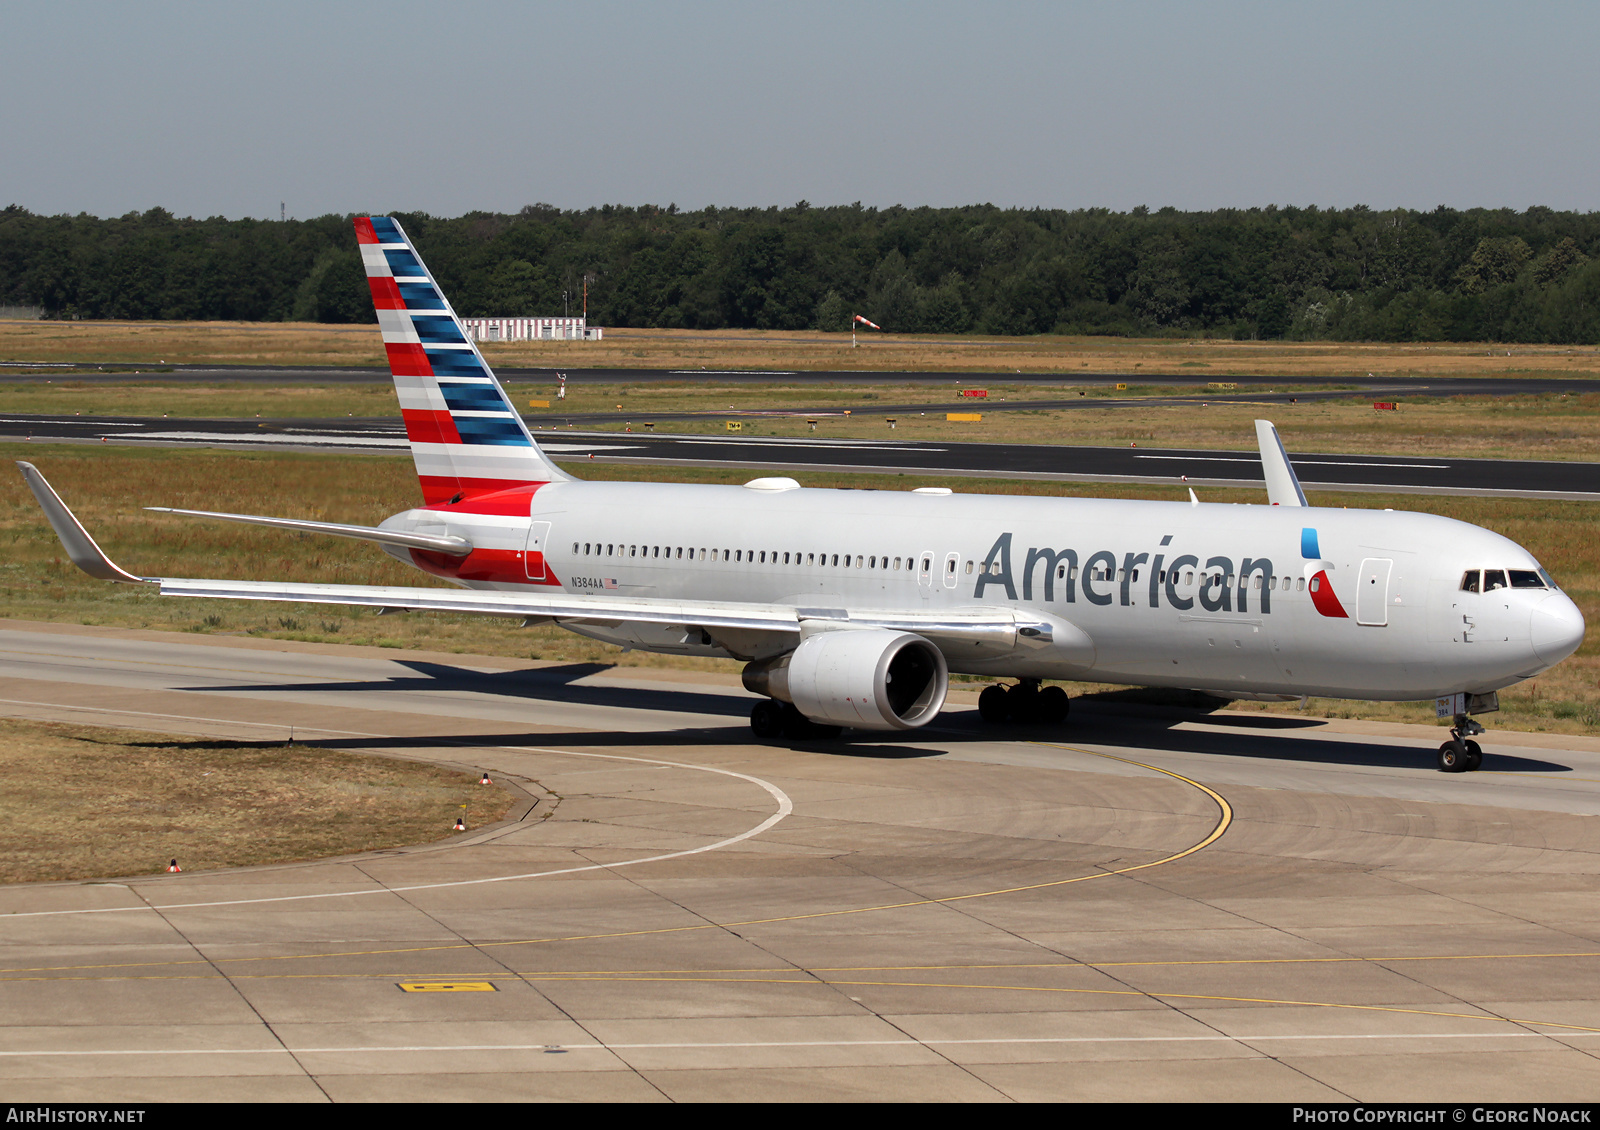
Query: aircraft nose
point(1556, 629)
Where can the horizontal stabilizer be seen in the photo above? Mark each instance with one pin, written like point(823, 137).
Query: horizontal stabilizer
point(85, 554)
point(1283, 486)
point(433, 543)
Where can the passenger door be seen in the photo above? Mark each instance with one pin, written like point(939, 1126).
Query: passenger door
point(1372, 592)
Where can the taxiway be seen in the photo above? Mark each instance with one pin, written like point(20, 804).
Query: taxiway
point(1175, 906)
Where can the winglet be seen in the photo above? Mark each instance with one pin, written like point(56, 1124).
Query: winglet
point(85, 554)
point(1283, 488)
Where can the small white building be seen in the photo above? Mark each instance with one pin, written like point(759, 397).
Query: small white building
point(531, 329)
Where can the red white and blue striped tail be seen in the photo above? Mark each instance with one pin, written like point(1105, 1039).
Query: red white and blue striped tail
point(466, 438)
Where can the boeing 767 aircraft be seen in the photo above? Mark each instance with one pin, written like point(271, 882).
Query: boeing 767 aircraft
point(851, 608)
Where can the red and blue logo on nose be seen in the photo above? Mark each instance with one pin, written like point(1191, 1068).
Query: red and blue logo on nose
point(1322, 597)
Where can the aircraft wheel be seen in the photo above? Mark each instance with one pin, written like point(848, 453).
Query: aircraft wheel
point(766, 719)
point(797, 727)
point(1024, 703)
point(1452, 757)
point(1474, 757)
point(1053, 705)
point(993, 707)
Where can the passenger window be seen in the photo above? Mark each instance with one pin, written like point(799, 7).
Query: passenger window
point(1300, 584)
point(1061, 571)
point(950, 567)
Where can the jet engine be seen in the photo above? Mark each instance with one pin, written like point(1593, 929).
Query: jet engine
point(869, 678)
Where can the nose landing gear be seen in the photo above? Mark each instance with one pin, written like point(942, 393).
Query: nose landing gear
point(1461, 754)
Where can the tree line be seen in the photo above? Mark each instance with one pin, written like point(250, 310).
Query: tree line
point(1300, 273)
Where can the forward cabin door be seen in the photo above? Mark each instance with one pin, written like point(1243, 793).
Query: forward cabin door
point(533, 558)
point(1372, 592)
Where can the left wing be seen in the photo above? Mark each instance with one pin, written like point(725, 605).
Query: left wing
point(990, 626)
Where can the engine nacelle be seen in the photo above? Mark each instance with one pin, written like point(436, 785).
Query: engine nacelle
point(869, 678)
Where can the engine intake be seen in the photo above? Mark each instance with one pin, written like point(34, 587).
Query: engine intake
point(869, 678)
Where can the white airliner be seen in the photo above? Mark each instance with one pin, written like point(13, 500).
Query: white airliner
point(850, 608)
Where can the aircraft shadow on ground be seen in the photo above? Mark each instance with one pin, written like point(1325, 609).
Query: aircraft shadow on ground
point(550, 684)
point(1127, 721)
point(1263, 737)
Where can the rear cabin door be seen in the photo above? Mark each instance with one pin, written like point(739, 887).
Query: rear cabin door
point(533, 559)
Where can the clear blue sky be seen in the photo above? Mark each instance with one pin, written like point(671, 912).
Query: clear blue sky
point(226, 109)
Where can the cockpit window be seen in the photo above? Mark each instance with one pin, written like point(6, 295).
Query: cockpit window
point(1469, 581)
point(1548, 579)
point(1526, 579)
point(1494, 579)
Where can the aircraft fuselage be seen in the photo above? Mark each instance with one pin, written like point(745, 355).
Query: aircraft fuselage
point(1234, 598)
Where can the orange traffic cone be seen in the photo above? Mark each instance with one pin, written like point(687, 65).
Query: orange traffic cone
point(485, 780)
point(173, 868)
point(460, 827)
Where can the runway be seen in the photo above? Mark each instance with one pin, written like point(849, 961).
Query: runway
point(1138, 905)
point(1514, 478)
point(1351, 384)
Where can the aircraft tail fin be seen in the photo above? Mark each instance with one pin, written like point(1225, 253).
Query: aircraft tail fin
point(1283, 485)
point(466, 437)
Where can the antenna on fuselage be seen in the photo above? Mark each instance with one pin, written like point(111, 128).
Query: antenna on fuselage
point(1283, 487)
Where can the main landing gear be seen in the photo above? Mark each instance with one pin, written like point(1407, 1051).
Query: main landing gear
point(1026, 703)
point(1461, 754)
point(773, 719)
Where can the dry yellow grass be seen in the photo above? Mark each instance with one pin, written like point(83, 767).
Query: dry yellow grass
point(291, 343)
point(83, 803)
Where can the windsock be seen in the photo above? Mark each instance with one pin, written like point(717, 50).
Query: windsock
point(864, 322)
